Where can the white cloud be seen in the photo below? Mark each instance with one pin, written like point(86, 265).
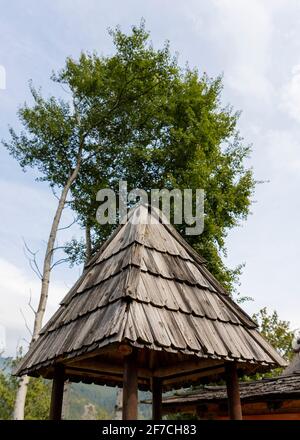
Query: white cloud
point(290, 95)
point(16, 285)
point(21, 208)
point(283, 150)
point(2, 78)
point(247, 31)
point(241, 34)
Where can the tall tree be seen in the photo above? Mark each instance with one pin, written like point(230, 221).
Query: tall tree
point(277, 331)
point(56, 142)
point(181, 137)
point(135, 115)
point(83, 135)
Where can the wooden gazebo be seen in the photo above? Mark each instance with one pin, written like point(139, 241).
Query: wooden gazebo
point(147, 314)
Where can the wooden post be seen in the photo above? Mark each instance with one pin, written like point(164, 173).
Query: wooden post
point(156, 398)
point(57, 393)
point(130, 387)
point(233, 392)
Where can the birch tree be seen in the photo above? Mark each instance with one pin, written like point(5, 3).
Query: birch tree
point(79, 140)
point(55, 142)
point(137, 116)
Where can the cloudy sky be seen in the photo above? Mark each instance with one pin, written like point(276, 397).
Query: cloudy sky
point(255, 44)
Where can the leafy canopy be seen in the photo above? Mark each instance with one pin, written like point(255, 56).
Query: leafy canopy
point(169, 130)
point(276, 331)
point(138, 116)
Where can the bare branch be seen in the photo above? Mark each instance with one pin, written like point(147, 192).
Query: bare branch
point(67, 227)
point(30, 305)
point(28, 249)
point(26, 340)
point(54, 193)
point(62, 260)
point(32, 260)
point(57, 248)
point(26, 324)
point(35, 268)
point(66, 91)
point(58, 198)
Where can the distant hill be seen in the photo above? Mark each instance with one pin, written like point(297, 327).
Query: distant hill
point(5, 364)
point(103, 398)
point(81, 396)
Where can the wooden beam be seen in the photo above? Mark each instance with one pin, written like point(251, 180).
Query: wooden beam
point(185, 367)
point(156, 398)
point(233, 392)
point(130, 387)
point(105, 367)
point(89, 374)
point(57, 392)
point(193, 375)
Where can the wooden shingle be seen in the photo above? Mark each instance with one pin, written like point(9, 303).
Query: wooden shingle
point(147, 287)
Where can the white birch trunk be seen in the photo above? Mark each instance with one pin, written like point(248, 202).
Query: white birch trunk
point(119, 404)
point(38, 320)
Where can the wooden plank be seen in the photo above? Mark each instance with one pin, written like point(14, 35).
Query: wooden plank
point(100, 366)
point(233, 392)
point(186, 367)
point(130, 387)
point(57, 393)
point(112, 379)
point(156, 398)
point(186, 378)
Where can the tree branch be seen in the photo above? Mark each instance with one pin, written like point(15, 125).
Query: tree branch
point(67, 227)
point(30, 305)
point(32, 260)
point(26, 324)
point(62, 260)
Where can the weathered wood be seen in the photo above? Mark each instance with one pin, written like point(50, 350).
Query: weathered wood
point(103, 378)
point(105, 367)
point(57, 393)
point(185, 367)
point(233, 392)
point(147, 287)
point(130, 388)
point(186, 379)
point(156, 398)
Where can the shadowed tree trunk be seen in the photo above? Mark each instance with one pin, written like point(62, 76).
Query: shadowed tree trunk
point(88, 243)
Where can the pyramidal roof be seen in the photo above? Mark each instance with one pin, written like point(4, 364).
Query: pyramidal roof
point(148, 287)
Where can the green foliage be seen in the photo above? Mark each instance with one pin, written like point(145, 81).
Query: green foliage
point(38, 399)
point(38, 396)
point(7, 395)
point(167, 129)
point(138, 116)
point(100, 399)
point(276, 331)
point(181, 416)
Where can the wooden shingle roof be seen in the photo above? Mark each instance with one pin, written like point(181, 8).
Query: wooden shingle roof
point(285, 386)
point(281, 386)
point(148, 287)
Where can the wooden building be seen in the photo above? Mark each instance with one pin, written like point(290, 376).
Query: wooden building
point(146, 313)
point(266, 399)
